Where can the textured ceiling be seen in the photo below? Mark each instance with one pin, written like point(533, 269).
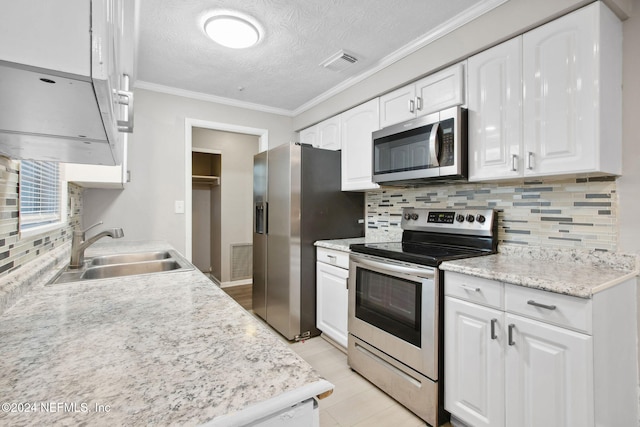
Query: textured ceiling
point(283, 71)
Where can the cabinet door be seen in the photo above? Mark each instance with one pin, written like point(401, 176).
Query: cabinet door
point(309, 136)
point(474, 363)
point(495, 112)
point(560, 95)
point(440, 90)
point(549, 375)
point(329, 134)
point(332, 300)
point(357, 125)
point(398, 106)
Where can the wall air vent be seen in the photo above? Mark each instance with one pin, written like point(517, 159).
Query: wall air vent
point(339, 61)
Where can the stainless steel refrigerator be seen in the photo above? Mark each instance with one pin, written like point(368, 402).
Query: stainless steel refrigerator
point(297, 200)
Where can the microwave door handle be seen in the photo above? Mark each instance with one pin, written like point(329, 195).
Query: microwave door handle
point(434, 145)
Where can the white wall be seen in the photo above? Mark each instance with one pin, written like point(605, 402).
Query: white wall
point(145, 209)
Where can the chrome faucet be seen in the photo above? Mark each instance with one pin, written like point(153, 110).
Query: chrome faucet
point(79, 244)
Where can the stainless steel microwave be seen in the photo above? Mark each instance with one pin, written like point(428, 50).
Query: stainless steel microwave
point(429, 148)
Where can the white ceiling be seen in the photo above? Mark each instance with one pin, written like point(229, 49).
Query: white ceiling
point(283, 73)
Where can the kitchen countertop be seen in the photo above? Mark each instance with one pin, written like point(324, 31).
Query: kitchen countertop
point(570, 272)
point(339, 244)
point(169, 348)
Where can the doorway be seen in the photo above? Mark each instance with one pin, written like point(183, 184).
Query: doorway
point(222, 214)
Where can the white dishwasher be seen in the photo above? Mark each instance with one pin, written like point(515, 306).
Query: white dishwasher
point(332, 274)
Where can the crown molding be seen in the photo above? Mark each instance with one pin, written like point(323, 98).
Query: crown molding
point(141, 84)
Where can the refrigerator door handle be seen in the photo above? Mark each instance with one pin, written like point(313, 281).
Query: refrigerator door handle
point(266, 217)
point(260, 226)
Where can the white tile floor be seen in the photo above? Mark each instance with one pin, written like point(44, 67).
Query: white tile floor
point(355, 401)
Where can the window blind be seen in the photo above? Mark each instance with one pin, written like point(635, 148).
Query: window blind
point(39, 193)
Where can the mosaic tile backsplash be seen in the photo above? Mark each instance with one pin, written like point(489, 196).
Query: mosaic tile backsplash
point(571, 213)
point(15, 251)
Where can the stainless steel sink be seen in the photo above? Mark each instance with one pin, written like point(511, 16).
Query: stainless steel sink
point(120, 265)
point(130, 258)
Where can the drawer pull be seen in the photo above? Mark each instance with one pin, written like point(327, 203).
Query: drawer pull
point(493, 329)
point(332, 258)
point(537, 304)
point(470, 288)
point(511, 328)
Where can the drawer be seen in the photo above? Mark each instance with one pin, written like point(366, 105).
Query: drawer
point(475, 289)
point(562, 310)
point(330, 256)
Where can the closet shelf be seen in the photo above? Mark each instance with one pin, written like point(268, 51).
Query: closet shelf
point(206, 179)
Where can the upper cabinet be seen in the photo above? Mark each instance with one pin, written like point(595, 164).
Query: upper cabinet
point(325, 135)
point(433, 93)
point(357, 125)
point(495, 112)
point(571, 100)
point(65, 80)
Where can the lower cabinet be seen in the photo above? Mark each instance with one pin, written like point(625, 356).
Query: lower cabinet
point(517, 356)
point(332, 294)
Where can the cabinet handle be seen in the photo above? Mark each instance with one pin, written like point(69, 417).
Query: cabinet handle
point(125, 97)
point(470, 288)
point(511, 328)
point(493, 329)
point(332, 259)
point(530, 160)
point(514, 163)
point(412, 106)
point(537, 304)
point(418, 103)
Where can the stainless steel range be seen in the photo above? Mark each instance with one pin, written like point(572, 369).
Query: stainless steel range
point(395, 303)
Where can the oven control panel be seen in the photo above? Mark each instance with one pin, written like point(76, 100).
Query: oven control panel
point(456, 221)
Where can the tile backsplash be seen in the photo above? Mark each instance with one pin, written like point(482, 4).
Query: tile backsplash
point(574, 213)
point(14, 250)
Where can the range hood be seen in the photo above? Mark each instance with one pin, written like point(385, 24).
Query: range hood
point(55, 116)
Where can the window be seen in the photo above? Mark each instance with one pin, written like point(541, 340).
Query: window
point(40, 201)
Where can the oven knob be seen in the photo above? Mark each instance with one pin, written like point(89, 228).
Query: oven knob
point(414, 216)
point(460, 218)
point(470, 218)
point(407, 216)
point(480, 218)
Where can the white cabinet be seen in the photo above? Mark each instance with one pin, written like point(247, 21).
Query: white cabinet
point(569, 119)
point(98, 176)
point(325, 135)
point(357, 125)
point(549, 375)
point(495, 112)
point(516, 356)
point(66, 77)
point(474, 363)
point(433, 93)
point(573, 94)
point(332, 273)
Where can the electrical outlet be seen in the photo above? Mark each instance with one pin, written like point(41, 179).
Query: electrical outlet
point(179, 206)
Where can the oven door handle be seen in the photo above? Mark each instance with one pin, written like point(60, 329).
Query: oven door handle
point(425, 272)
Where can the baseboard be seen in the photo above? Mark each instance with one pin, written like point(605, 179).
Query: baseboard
point(236, 283)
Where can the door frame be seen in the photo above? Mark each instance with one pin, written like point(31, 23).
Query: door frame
point(189, 124)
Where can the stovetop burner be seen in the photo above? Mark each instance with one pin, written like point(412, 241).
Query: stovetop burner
point(431, 237)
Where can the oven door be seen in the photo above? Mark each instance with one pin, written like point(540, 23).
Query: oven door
point(393, 307)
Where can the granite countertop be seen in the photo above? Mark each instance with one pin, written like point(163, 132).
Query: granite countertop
point(570, 272)
point(339, 244)
point(164, 349)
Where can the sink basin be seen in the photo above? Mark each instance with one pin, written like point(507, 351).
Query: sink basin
point(132, 269)
point(130, 258)
point(120, 265)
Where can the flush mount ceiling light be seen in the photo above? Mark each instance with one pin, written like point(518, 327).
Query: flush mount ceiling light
point(232, 31)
